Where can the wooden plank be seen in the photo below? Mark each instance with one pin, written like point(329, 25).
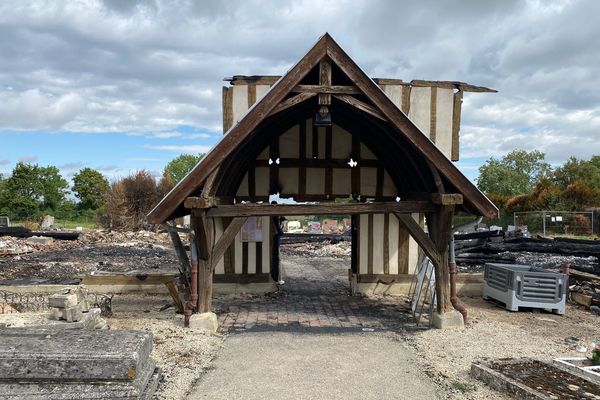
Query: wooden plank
point(227, 98)
point(433, 115)
point(258, 257)
point(419, 235)
point(355, 171)
point(354, 102)
point(273, 167)
point(456, 111)
point(247, 210)
point(403, 250)
point(386, 243)
point(447, 199)
point(325, 80)
point(328, 170)
point(244, 258)
point(406, 99)
point(226, 239)
point(292, 101)
point(329, 89)
point(316, 163)
point(302, 161)
point(370, 244)
point(182, 256)
point(175, 296)
point(128, 280)
point(251, 94)
point(440, 231)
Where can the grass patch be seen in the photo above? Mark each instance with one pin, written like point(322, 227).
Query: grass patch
point(463, 387)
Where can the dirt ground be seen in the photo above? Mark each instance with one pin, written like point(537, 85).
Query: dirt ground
point(184, 354)
point(61, 261)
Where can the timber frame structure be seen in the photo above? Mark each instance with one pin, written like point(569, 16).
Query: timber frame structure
point(234, 180)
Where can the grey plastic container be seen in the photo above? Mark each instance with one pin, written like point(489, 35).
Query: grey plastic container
point(525, 286)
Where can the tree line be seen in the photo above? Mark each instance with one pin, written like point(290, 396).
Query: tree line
point(524, 181)
point(32, 191)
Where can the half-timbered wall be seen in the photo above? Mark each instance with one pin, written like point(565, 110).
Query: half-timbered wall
point(434, 107)
point(312, 164)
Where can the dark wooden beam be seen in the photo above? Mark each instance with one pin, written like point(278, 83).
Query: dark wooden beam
point(225, 240)
point(440, 231)
point(203, 237)
point(422, 239)
point(328, 89)
point(325, 80)
point(354, 102)
point(292, 101)
point(447, 199)
point(248, 210)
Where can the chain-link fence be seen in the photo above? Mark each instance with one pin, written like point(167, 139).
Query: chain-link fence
point(558, 223)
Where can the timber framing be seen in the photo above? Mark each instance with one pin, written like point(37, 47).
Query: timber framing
point(325, 49)
point(248, 210)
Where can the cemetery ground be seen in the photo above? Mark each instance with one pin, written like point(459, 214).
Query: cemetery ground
point(313, 309)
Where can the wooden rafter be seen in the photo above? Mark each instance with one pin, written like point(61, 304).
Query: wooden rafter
point(354, 102)
point(292, 101)
point(325, 80)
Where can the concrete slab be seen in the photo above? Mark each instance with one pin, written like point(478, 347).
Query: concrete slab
point(283, 365)
point(72, 355)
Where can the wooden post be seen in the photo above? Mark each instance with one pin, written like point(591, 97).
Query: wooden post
point(204, 235)
point(440, 231)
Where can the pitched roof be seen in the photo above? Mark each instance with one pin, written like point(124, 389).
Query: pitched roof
point(325, 47)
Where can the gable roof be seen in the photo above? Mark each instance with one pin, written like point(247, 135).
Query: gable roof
point(325, 47)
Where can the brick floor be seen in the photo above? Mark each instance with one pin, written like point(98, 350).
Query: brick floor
point(315, 297)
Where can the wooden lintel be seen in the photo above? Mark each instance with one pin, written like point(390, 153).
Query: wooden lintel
point(247, 210)
point(447, 199)
point(422, 239)
point(332, 89)
point(361, 106)
point(292, 101)
point(206, 202)
point(225, 240)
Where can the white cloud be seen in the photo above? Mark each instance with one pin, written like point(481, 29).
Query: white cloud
point(28, 159)
point(149, 66)
point(181, 149)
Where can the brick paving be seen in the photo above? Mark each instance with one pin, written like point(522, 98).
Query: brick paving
point(315, 297)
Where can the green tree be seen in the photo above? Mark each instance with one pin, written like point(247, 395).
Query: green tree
point(515, 173)
point(178, 167)
point(31, 189)
point(576, 170)
point(90, 187)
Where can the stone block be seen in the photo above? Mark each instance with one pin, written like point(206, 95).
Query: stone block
point(39, 240)
point(451, 319)
point(47, 222)
point(70, 314)
point(72, 355)
point(204, 321)
point(61, 300)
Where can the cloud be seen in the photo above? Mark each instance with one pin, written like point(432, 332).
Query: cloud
point(28, 159)
point(72, 166)
point(148, 66)
point(181, 149)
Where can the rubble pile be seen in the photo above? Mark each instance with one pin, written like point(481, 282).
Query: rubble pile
point(340, 249)
point(53, 261)
point(585, 293)
point(71, 305)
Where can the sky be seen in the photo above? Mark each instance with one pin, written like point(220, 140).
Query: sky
point(123, 85)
